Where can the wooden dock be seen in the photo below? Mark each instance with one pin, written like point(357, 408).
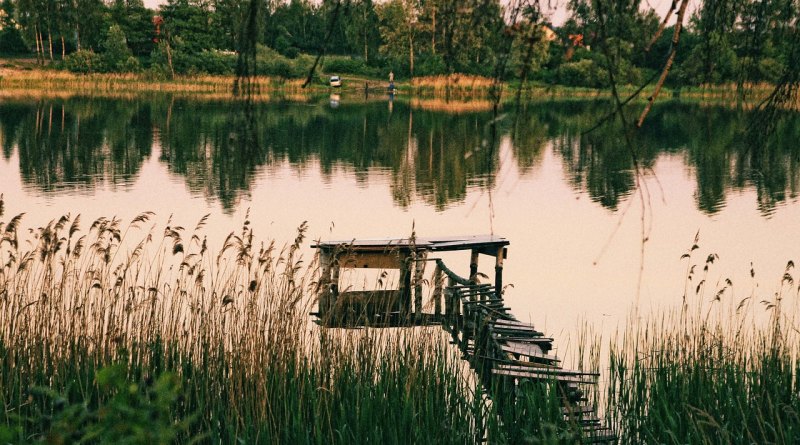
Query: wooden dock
point(505, 353)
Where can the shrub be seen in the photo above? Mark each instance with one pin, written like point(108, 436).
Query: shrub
point(215, 62)
point(347, 65)
point(770, 70)
point(271, 63)
point(131, 65)
point(431, 65)
point(584, 73)
point(83, 61)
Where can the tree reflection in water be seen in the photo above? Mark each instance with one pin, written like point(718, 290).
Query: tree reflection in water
point(431, 154)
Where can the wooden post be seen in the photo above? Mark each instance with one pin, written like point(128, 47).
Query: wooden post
point(455, 305)
point(438, 281)
point(334, 293)
point(419, 271)
point(473, 265)
point(324, 283)
point(498, 271)
point(405, 277)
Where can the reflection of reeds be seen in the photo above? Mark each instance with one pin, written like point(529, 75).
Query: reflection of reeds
point(451, 106)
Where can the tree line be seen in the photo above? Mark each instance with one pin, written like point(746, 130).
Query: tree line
point(721, 41)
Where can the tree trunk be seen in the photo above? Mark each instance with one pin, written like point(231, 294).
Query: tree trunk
point(50, 43)
point(169, 61)
point(366, 28)
point(78, 36)
point(411, 54)
point(41, 46)
point(63, 48)
point(433, 31)
point(38, 48)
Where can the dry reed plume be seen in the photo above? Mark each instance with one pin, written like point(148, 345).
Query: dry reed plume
point(232, 325)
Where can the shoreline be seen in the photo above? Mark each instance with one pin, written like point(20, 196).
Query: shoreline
point(49, 83)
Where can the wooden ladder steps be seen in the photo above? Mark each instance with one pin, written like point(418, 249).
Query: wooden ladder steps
point(516, 350)
point(484, 302)
point(465, 292)
point(544, 376)
point(554, 371)
point(577, 410)
point(532, 351)
point(544, 343)
point(511, 329)
point(599, 434)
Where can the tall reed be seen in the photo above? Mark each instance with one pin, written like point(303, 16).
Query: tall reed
point(721, 369)
point(231, 326)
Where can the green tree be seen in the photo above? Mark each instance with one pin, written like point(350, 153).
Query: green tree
point(136, 23)
point(11, 41)
point(92, 21)
point(117, 57)
point(399, 26)
point(188, 25)
point(361, 28)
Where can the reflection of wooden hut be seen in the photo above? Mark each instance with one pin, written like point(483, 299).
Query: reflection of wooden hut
point(408, 256)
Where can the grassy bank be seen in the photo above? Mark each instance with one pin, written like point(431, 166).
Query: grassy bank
point(31, 81)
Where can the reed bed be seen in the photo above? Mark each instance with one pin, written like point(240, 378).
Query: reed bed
point(138, 334)
point(451, 106)
point(720, 370)
point(453, 84)
point(135, 333)
point(119, 85)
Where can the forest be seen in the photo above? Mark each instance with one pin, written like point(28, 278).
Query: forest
point(720, 41)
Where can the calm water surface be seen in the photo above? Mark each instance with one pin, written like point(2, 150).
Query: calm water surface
point(572, 206)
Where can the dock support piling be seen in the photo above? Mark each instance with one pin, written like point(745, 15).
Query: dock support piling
point(419, 271)
point(498, 271)
point(438, 282)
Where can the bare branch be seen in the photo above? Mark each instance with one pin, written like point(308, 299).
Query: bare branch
point(676, 36)
point(661, 26)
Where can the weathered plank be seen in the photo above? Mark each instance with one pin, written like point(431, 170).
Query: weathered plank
point(578, 409)
point(541, 376)
point(528, 350)
point(525, 339)
point(509, 330)
point(554, 371)
point(514, 323)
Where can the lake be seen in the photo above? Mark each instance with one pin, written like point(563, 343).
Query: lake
point(574, 208)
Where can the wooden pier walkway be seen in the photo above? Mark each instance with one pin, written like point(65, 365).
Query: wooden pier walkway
point(505, 353)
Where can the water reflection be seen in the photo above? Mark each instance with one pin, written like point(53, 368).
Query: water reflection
point(433, 153)
point(77, 144)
